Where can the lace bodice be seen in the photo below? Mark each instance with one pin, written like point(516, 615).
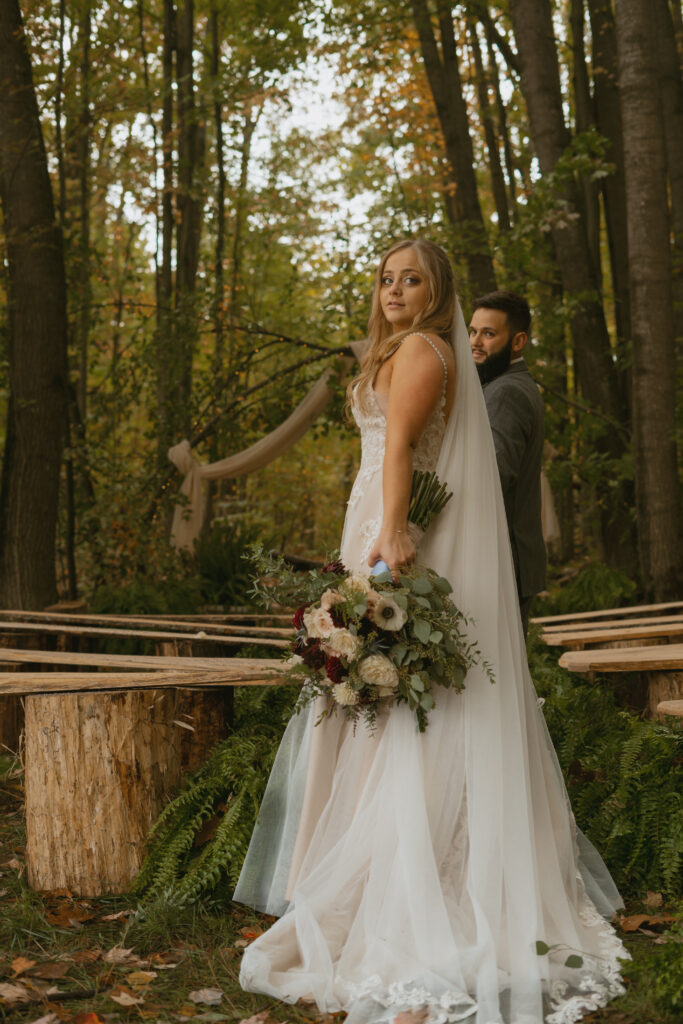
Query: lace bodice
point(364, 513)
point(370, 415)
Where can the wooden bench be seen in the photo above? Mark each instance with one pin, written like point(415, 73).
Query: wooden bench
point(615, 634)
point(103, 755)
point(660, 665)
point(612, 613)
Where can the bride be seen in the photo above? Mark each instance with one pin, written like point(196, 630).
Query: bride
point(414, 874)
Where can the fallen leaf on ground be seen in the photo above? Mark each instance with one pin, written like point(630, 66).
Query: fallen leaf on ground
point(636, 921)
point(49, 1018)
point(164, 961)
point(140, 979)
point(240, 943)
point(258, 1018)
point(14, 864)
point(250, 934)
point(186, 1011)
point(653, 899)
point(69, 915)
point(14, 993)
point(117, 917)
point(207, 996)
point(86, 1018)
point(3, 892)
point(21, 964)
point(124, 997)
point(50, 970)
point(86, 956)
point(119, 955)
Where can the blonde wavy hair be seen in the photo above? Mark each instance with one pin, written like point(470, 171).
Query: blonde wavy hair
point(437, 316)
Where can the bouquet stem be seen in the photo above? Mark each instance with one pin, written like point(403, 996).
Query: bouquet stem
point(428, 496)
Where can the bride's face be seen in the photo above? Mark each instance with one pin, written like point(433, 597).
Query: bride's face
point(403, 290)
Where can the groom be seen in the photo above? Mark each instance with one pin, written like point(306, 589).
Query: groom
point(499, 330)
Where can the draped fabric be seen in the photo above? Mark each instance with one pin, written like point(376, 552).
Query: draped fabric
point(421, 870)
point(188, 513)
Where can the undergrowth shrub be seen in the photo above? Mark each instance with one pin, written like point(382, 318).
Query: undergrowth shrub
point(595, 586)
point(624, 776)
point(199, 842)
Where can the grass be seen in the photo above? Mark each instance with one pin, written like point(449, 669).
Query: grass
point(173, 953)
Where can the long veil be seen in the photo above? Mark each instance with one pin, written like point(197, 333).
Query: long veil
point(440, 861)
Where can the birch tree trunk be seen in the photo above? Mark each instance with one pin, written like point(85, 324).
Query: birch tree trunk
point(654, 368)
point(36, 337)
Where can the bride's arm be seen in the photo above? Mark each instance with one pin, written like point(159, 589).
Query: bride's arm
point(414, 392)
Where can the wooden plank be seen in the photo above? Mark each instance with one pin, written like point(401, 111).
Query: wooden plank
point(597, 636)
point(199, 637)
point(156, 662)
point(36, 683)
point(138, 622)
point(625, 659)
point(654, 620)
point(606, 613)
point(670, 707)
point(258, 618)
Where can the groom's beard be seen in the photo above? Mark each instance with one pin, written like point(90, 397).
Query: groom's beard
point(496, 364)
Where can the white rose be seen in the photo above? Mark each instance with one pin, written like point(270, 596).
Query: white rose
point(329, 599)
point(387, 615)
point(318, 623)
point(357, 583)
point(342, 644)
point(292, 662)
point(377, 670)
point(344, 694)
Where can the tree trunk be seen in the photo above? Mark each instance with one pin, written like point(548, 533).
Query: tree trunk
point(533, 27)
point(654, 368)
point(99, 769)
point(608, 122)
point(36, 335)
point(165, 323)
point(671, 85)
point(495, 167)
point(583, 116)
point(189, 206)
point(443, 74)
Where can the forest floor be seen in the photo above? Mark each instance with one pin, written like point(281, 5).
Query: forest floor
point(108, 961)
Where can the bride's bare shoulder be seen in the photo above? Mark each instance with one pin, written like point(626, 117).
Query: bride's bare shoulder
point(424, 345)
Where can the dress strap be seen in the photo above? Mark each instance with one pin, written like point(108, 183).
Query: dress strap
point(443, 361)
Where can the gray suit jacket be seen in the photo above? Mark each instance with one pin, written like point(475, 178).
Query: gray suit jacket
point(515, 410)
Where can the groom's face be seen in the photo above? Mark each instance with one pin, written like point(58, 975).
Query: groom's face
point(492, 342)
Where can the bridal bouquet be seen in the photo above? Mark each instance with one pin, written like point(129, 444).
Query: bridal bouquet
point(366, 643)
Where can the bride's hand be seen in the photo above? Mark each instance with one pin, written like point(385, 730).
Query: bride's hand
point(393, 547)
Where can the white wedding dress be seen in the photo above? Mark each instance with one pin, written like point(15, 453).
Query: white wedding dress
point(420, 870)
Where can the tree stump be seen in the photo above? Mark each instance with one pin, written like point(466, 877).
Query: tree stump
point(662, 686)
point(206, 713)
point(99, 769)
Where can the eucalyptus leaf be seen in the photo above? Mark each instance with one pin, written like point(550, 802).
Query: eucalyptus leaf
point(574, 961)
point(421, 585)
point(417, 683)
point(422, 630)
point(359, 609)
point(423, 603)
point(398, 653)
point(427, 701)
point(542, 947)
point(436, 637)
point(401, 600)
point(442, 585)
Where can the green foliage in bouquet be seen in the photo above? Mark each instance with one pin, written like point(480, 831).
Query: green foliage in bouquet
point(624, 777)
point(365, 643)
point(428, 496)
point(199, 842)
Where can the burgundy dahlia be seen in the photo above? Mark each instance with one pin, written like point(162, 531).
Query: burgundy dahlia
point(298, 618)
point(334, 669)
point(313, 655)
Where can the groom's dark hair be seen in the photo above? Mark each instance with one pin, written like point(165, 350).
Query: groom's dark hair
point(515, 307)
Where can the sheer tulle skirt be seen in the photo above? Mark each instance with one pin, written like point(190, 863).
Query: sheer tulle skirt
point(412, 870)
